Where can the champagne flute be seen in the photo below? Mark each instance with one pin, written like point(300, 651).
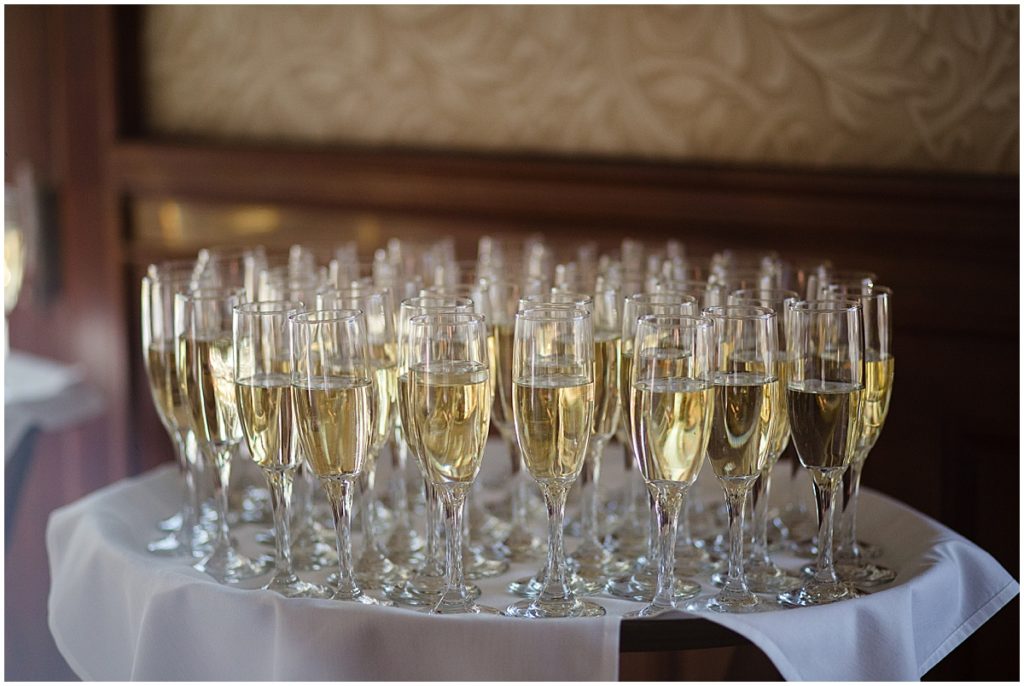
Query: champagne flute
point(484, 529)
point(641, 583)
point(879, 366)
point(826, 379)
point(520, 543)
point(763, 575)
point(553, 407)
point(532, 586)
point(450, 410)
point(594, 564)
point(373, 568)
point(746, 350)
point(204, 357)
point(161, 283)
point(672, 397)
point(333, 405)
point(262, 365)
point(429, 581)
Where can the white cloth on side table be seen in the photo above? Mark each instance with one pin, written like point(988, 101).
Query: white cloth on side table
point(118, 613)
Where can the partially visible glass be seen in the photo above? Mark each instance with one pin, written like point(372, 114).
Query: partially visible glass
point(879, 369)
point(763, 575)
point(159, 287)
point(641, 582)
point(373, 567)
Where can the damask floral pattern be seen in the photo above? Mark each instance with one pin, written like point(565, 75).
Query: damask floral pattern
point(917, 87)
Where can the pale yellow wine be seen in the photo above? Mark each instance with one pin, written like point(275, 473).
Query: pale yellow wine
point(501, 408)
point(823, 420)
point(878, 375)
point(408, 427)
point(553, 418)
point(738, 446)
point(334, 424)
point(671, 426)
point(209, 386)
point(162, 370)
point(450, 406)
point(606, 393)
point(265, 408)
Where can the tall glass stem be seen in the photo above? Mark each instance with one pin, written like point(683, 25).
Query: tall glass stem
point(590, 477)
point(826, 483)
point(762, 492)
point(652, 531)
point(221, 477)
point(735, 502)
point(399, 496)
point(666, 507)
point(848, 523)
point(279, 482)
point(189, 511)
point(453, 500)
point(556, 585)
point(432, 564)
point(684, 535)
point(339, 492)
point(366, 513)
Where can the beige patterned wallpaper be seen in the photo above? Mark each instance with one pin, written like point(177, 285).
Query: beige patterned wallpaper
point(919, 87)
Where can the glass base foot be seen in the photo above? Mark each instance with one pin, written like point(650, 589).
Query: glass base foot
point(649, 611)
point(864, 573)
point(522, 546)
point(172, 523)
point(423, 591)
point(817, 594)
point(734, 603)
point(537, 609)
point(228, 567)
point(291, 586)
point(635, 588)
point(476, 566)
point(768, 578)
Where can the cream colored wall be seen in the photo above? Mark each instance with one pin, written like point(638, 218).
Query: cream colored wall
point(920, 87)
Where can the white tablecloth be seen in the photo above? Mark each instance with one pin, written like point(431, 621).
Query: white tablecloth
point(43, 393)
point(119, 613)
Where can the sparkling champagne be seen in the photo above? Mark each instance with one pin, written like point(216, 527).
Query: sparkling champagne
point(385, 390)
point(166, 388)
point(334, 423)
point(265, 407)
point(823, 418)
point(878, 375)
point(625, 369)
point(501, 354)
point(672, 426)
point(553, 418)
point(208, 383)
point(740, 429)
point(404, 410)
point(450, 406)
point(606, 394)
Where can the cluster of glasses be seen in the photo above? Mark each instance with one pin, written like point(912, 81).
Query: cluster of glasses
point(316, 369)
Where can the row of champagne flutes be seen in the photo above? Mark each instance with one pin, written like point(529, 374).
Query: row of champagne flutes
point(503, 292)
